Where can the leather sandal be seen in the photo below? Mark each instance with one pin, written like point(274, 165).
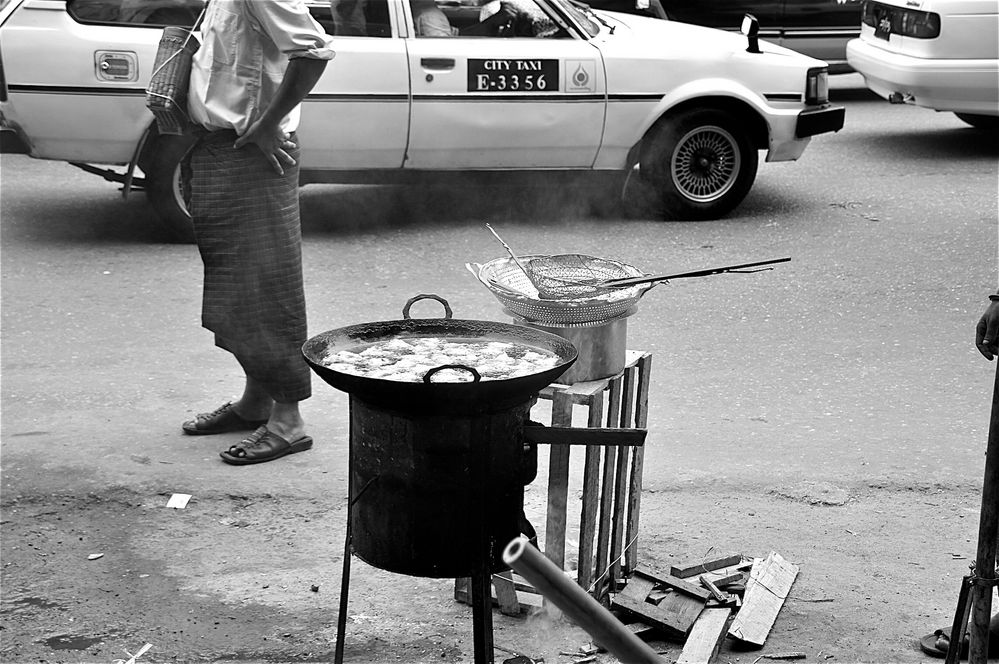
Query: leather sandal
point(223, 419)
point(938, 643)
point(263, 445)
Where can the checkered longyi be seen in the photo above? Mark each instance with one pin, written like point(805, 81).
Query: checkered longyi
point(247, 224)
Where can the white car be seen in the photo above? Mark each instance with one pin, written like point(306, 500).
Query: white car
point(939, 54)
point(674, 109)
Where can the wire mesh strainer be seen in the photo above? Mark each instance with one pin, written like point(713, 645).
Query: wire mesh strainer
point(511, 285)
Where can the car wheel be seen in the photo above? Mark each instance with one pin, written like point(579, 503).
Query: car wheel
point(988, 123)
point(702, 164)
point(164, 185)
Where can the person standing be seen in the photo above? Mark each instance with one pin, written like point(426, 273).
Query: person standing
point(987, 342)
point(258, 61)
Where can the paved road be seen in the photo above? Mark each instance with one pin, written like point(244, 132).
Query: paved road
point(851, 366)
point(854, 359)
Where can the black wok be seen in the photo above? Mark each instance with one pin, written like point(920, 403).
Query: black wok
point(438, 397)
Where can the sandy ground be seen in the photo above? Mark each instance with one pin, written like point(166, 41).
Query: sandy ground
point(240, 577)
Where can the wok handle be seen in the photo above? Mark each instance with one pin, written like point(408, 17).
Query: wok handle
point(631, 281)
point(426, 296)
point(476, 377)
point(584, 436)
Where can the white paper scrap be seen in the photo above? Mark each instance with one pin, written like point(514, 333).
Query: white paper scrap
point(137, 655)
point(178, 500)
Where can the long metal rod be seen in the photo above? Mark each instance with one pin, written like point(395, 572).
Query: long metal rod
point(577, 604)
point(631, 281)
point(988, 531)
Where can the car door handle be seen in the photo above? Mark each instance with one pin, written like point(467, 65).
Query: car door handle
point(437, 64)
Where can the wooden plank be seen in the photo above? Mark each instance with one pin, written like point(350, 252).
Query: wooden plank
point(640, 628)
point(506, 595)
point(588, 518)
point(696, 567)
point(674, 616)
point(725, 576)
point(626, 437)
point(461, 588)
point(674, 583)
point(605, 532)
point(712, 588)
point(591, 497)
point(620, 508)
point(626, 411)
point(558, 484)
point(705, 637)
point(606, 497)
point(638, 587)
point(769, 584)
point(643, 366)
point(685, 587)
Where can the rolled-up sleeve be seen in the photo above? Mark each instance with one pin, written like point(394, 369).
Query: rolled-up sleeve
point(292, 28)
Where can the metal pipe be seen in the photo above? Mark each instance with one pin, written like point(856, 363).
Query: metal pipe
point(577, 604)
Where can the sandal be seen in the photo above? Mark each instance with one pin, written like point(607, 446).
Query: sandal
point(263, 445)
point(937, 643)
point(221, 420)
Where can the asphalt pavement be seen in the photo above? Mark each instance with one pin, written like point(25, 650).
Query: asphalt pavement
point(833, 409)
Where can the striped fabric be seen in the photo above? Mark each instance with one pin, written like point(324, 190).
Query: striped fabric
point(249, 234)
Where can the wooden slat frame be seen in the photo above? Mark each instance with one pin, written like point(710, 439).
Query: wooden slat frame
point(643, 364)
point(612, 481)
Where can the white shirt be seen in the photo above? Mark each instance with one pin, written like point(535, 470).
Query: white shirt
point(246, 46)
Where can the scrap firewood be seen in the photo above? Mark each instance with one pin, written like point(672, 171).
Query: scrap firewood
point(705, 637)
point(769, 585)
point(587, 653)
point(719, 599)
point(698, 567)
point(781, 655)
point(727, 572)
point(664, 601)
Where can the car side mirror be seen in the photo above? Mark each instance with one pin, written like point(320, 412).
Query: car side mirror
point(751, 29)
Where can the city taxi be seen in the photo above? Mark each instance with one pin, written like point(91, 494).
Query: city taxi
point(679, 113)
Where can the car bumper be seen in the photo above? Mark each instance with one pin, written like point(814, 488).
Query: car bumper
point(964, 86)
point(820, 121)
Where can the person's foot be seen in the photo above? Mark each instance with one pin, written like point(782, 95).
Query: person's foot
point(224, 419)
point(286, 421)
point(264, 445)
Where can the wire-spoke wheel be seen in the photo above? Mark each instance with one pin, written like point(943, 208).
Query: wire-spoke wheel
point(701, 162)
point(705, 164)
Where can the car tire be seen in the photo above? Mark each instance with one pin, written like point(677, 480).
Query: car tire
point(988, 123)
point(701, 162)
point(164, 186)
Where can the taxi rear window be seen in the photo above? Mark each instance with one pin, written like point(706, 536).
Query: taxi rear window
point(156, 13)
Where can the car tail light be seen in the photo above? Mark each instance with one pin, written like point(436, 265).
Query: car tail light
point(817, 86)
point(901, 21)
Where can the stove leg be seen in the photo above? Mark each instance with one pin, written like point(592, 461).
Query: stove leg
point(341, 619)
point(482, 617)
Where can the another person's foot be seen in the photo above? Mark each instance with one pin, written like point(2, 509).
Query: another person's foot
point(938, 643)
point(223, 419)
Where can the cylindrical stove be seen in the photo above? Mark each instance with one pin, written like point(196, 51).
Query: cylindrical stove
point(419, 480)
point(437, 469)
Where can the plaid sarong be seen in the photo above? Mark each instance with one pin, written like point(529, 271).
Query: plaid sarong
point(247, 225)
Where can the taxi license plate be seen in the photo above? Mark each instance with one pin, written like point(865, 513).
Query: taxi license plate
point(513, 75)
point(882, 24)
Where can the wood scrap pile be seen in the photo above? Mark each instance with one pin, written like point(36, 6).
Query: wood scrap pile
point(701, 603)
